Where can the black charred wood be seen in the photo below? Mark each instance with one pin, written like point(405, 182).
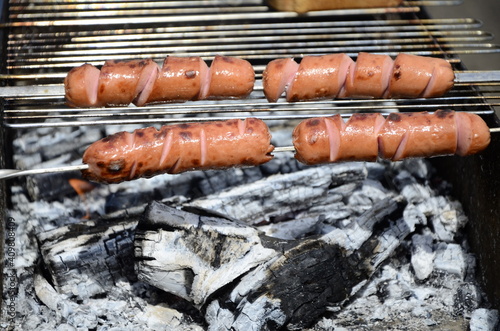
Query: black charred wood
point(85, 259)
point(244, 280)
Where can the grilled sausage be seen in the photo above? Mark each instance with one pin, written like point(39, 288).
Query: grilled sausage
point(180, 79)
point(141, 82)
point(319, 77)
point(178, 148)
point(81, 86)
point(277, 76)
point(417, 76)
point(399, 136)
point(368, 77)
point(230, 78)
point(123, 82)
point(371, 76)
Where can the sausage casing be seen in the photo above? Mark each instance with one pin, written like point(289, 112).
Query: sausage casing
point(122, 82)
point(399, 136)
point(371, 76)
point(81, 86)
point(141, 82)
point(178, 148)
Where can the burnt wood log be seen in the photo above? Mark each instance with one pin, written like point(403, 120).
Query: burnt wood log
point(244, 280)
point(257, 202)
point(85, 259)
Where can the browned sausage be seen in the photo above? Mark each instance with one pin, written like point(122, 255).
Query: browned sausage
point(122, 82)
point(371, 76)
point(141, 82)
point(399, 136)
point(368, 77)
point(178, 148)
point(329, 139)
point(417, 76)
point(81, 86)
point(180, 79)
point(319, 77)
point(473, 134)
point(418, 135)
point(277, 77)
point(230, 78)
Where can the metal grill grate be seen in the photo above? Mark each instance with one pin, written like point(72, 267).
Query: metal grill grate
point(47, 38)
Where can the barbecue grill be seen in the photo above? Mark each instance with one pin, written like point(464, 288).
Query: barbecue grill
point(44, 39)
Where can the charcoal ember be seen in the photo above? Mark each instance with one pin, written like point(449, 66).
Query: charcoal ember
point(261, 283)
point(53, 142)
point(27, 161)
point(51, 186)
point(293, 229)
point(216, 180)
point(370, 192)
point(260, 201)
point(87, 258)
point(467, 299)
point(191, 185)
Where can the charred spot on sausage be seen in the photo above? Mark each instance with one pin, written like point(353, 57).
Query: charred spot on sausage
point(160, 134)
point(185, 135)
point(394, 117)
point(116, 165)
point(190, 74)
point(227, 59)
point(139, 134)
point(184, 126)
point(443, 113)
point(360, 117)
point(397, 72)
point(314, 122)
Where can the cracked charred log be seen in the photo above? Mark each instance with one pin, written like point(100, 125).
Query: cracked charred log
point(244, 280)
point(85, 259)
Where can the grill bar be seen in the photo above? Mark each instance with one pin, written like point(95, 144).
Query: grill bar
point(47, 38)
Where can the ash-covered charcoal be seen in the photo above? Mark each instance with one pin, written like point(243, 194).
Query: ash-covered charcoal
point(88, 258)
point(261, 201)
point(52, 142)
point(409, 270)
point(262, 283)
point(51, 186)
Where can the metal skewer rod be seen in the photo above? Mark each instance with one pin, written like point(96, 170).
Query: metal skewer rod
point(13, 173)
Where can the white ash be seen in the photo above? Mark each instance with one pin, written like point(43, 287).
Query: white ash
point(428, 284)
point(483, 320)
